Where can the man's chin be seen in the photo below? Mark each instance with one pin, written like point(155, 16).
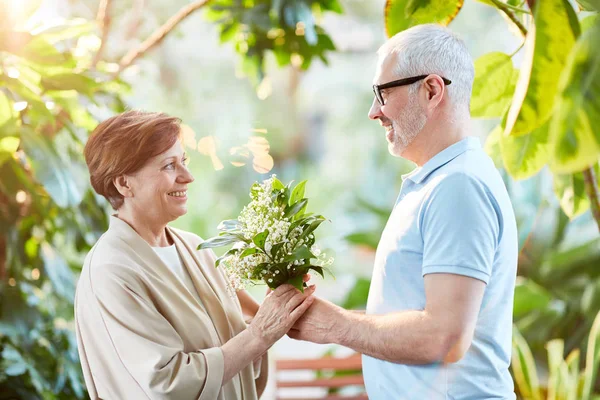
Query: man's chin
point(395, 149)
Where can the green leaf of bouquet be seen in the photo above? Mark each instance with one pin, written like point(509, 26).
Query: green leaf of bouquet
point(547, 47)
point(276, 249)
point(318, 270)
point(218, 241)
point(277, 184)
point(298, 192)
point(574, 127)
point(249, 251)
point(229, 224)
point(295, 208)
point(402, 14)
point(260, 238)
point(227, 254)
point(494, 85)
point(254, 189)
point(300, 253)
point(297, 282)
point(310, 228)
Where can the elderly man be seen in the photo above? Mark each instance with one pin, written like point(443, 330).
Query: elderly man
point(438, 322)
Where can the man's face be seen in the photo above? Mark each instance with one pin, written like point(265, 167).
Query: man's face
point(402, 116)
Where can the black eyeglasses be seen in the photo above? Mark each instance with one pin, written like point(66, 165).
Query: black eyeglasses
point(400, 82)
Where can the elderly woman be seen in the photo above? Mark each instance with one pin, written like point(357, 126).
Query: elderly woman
point(154, 318)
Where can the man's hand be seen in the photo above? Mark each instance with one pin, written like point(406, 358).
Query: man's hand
point(321, 323)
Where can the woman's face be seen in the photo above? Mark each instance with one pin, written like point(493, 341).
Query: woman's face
point(160, 187)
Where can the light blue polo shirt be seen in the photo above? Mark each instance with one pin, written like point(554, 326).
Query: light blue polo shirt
point(453, 215)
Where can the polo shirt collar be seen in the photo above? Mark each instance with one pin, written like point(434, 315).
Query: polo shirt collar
point(443, 157)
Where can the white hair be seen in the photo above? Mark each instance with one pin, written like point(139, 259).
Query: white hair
point(433, 49)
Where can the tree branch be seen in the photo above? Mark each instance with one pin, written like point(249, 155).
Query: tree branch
point(159, 34)
point(103, 19)
point(591, 189)
point(137, 14)
point(502, 7)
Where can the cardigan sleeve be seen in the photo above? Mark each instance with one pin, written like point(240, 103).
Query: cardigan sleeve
point(147, 345)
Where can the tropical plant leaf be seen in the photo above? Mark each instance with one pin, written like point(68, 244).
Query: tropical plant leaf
point(547, 46)
point(589, 5)
point(402, 14)
point(494, 85)
point(570, 190)
point(50, 170)
point(524, 368)
point(574, 128)
point(57, 269)
point(529, 296)
point(524, 156)
point(592, 361)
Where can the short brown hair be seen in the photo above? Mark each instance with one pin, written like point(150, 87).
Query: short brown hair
point(123, 144)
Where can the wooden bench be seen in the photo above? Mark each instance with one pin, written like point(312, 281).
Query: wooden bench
point(324, 376)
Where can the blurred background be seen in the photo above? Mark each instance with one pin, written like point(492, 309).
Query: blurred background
point(284, 87)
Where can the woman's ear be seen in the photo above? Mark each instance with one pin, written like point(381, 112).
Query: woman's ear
point(123, 185)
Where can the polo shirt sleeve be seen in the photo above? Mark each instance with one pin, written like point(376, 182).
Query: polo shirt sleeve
point(460, 225)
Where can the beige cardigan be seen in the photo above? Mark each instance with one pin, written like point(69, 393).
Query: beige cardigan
point(141, 334)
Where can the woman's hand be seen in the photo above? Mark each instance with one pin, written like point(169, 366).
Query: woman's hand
point(279, 311)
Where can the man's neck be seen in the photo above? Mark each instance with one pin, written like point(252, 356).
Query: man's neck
point(435, 139)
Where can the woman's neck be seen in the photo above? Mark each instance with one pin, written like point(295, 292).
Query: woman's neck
point(153, 233)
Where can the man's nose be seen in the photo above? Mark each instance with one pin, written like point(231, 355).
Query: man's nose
point(375, 111)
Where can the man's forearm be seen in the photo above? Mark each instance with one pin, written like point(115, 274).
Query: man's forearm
point(408, 337)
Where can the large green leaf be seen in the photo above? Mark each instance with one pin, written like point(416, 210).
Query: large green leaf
point(494, 85)
point(66, 30)
point(589, 5)
point(218, 241)
point(58, 271)
point(70, 81)
point(402, 14)
point(529, 296)
point(50, 170)
point(524, 369)
point(570, 190)
point(492, 146)
point(592, 361)
point(6, 109)
point(547, 47)
point(525, 155)
point(575, 127)
point(8, 146)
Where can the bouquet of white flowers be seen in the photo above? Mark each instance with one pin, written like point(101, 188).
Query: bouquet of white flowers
point(273, 238)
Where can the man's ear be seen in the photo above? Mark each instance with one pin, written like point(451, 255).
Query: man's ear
point(434, 90)
point(123, 185)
